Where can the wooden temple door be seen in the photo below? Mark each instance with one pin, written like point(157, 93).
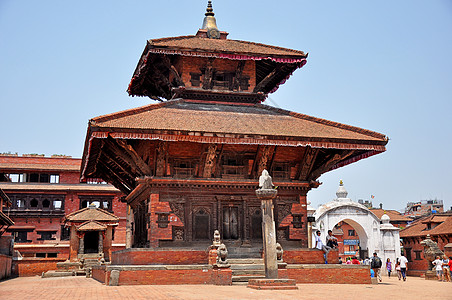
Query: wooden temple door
point(231, 223)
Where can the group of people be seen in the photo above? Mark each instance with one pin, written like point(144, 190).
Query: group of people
point(375, 263)
point(331, 243)
point(442, 268)
point(400, 267)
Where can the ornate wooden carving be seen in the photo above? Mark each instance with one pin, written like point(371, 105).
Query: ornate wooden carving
point(173, 70)
point(283, 211)
point(209, 164)
point(307, 162)
point(117, 170)
point(178, 233)
point(136, 159)
point(178, 209)
point(160, 161)
point(238, 75)
point(265, 153)
point(208, 75)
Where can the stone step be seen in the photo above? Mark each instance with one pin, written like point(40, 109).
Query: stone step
point(240, 283)
point(243, 261)
point(245, 278)
point(247, 267)
point(248, 272)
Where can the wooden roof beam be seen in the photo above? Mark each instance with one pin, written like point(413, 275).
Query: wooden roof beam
point(306, 163)
point(139, 162)
point(173, 70)
point(127, 157)
point(332, 159)
point(261, 85)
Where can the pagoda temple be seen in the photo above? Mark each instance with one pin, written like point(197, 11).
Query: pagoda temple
point(190, 164)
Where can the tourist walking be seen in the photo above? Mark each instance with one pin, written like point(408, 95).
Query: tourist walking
point(319, 245)
point(389, 267)
point(398, 270)
point(438, 263)
point(403, 266)
point(446, 269)
point(375, 264)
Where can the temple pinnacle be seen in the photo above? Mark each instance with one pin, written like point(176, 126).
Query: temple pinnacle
point(209, 10)
point(210, 24)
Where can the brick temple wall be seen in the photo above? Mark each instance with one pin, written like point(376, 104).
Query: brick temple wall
point(159, 257)
point(34, 266)
point(309, 256)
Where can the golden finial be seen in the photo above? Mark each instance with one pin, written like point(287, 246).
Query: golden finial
point(209, 10)
point(210, 24)
point(340, 182)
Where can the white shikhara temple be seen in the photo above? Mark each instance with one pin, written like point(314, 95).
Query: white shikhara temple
point(375, 235)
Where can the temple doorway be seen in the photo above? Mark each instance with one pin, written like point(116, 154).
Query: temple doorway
point(230, 223)
point(91, 242)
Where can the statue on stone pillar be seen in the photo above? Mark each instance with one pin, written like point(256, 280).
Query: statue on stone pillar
point(265, 181)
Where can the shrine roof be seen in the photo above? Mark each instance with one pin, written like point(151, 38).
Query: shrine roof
point(227, 46)
point(91, 214)
point(419, 227)
point(393, 215)
point(91, 226)
point(220, 120)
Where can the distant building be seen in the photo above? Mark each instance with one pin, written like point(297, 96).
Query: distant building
point(397, 219)
point(6, 250)
point(424, 207)
point(439, 226)
point(42, 191)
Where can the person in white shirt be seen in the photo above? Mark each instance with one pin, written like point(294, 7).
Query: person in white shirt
point(319, 245)
point(403, 266)
point(438, 263)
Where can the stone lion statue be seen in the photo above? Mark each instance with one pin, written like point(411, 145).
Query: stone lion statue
point(431, 251)
point(279, 252)
point(222, 254)
point(265, 181)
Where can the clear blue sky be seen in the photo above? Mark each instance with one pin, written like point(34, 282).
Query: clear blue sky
point(379, 65)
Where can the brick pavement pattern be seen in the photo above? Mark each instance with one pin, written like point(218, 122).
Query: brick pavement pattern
point(73, 288)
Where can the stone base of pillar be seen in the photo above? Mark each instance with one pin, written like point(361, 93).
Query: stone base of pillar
point(272, 284)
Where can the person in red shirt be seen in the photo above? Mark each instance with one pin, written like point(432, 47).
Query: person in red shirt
point(355, 261)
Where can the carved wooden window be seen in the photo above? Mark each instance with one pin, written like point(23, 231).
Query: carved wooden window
point(233, 166)
point(281, 171)
point(417, 253)
point(103, 202)
point(297, 220)
point(223, 80)
point(46, 235)
point(65, 233)
point(195, 79)
point(201, 225)
point(183, 168)
point(408, 253)
point(162, 219)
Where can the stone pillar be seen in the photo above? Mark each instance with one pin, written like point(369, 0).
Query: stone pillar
point(269, 239)
point(129, 224)
point(101, 243)
point(81, 244)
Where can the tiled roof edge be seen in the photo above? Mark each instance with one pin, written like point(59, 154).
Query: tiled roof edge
point(296, 52)
point(326, 122)
point(128, 112)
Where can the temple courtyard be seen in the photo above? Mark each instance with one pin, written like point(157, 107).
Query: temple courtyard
point(86, 288)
